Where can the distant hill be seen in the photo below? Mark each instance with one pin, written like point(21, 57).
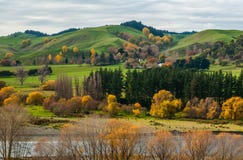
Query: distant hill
point(207, 36)
point(99, 38)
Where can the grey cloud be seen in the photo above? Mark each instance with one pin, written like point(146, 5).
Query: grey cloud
point(175, 15)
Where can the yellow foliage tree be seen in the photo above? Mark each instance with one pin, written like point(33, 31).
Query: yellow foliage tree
point(49, 57)
point(92, 56)
point(9, 55)
point(48, 85)
point(86, 99)
point(137, 105)
point(75, 49)
point(136, 111)
point(46, 40)
point(58, 58)
point(112, 106)
point(232, 108)
point(64, 49)
point(166, 39)
point(146, 31)
point(151, 37)
point(13, 99)
point(35, 98)
point(6, 92)
point(164, 105)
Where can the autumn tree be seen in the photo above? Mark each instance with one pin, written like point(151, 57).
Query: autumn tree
point(137, 109)
point(92, 56)
point(204, 108)
point(75, 50)
point(164, 105)
point(58, 58)
point(26, 43)
point(49, 57)
point(146, 31)
point(9, 55)
point(46, 40)
point(64, 49)
point(112, 105)
point(5, 93)
point(13, 121)
point(14, 99)
point(48, 85)
point(21, 74)
point(232, 108)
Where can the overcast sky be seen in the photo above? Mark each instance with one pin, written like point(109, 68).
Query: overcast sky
point(52, 16)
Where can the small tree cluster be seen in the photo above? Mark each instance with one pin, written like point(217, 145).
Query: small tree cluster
point(204, 108)
point(68, 107)
point(63, 87)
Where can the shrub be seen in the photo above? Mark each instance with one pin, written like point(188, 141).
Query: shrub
point(6, 73)
point(33, 72)
point(35, 98)
point(75, 104)
point(16, 98)
point(5, 92)
point(48, 85)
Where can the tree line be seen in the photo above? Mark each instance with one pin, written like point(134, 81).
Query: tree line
point(141, 85)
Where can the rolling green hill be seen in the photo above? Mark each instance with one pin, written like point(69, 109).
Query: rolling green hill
point(207, 36)
point(99, 38)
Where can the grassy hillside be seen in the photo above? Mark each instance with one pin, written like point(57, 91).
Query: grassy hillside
point(207, 36)
point(99, 38)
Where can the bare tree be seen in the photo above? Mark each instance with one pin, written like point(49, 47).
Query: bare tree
point(63, 86)
point(77, 86)
point(43, 72)
point(162, 146)
point(228, 146)
point(21, 74)
point(92, 86)
point(13, 139)
point(198, 145)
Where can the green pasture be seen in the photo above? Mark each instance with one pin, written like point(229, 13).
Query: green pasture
point(32, 82)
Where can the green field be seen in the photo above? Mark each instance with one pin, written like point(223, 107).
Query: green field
point(228, 68)
point(33, 83)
